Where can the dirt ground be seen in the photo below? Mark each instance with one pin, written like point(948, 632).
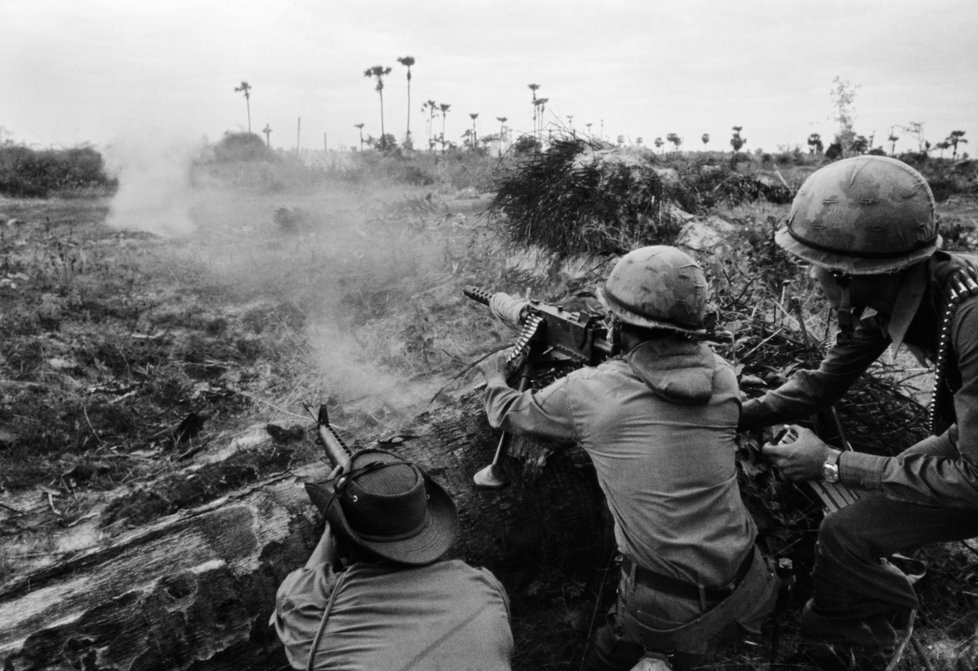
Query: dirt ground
point(139, 345)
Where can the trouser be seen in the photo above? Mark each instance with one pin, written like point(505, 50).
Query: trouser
point(683, 631)
point(859, 598)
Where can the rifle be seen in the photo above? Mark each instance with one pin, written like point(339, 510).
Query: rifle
point(550, 336)
point(336, 450)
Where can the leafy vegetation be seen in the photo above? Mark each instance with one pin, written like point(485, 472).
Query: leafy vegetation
point(32, 173)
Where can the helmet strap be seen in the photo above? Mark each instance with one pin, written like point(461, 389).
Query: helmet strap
point(845, 314)
point(614, 335)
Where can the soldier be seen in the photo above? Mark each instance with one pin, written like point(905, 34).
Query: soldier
point(867, 227)
point(659, 424)
point(373, 595)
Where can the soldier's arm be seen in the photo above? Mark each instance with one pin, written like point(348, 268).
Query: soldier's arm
point(940, 470)
point(808, 390)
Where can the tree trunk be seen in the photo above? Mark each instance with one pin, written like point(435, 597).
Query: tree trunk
point(195, 589)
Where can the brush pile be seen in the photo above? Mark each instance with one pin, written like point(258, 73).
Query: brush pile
point(587, 197)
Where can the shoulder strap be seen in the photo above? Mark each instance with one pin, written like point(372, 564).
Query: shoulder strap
point(310, 663)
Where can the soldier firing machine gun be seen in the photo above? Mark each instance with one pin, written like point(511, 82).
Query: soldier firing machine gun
point(550, 337)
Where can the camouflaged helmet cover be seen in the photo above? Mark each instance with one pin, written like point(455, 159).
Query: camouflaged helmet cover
point(657, 287)
point(863, 215)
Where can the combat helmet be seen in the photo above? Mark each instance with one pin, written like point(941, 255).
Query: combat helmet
point(862, 216)
point(657, 287)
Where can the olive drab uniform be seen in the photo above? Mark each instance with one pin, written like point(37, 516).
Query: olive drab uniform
point(872, 216)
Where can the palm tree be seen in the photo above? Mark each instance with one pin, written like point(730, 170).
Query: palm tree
point(893, 140)
point(408, 61)
point(588, 126)
point(431, 107)
point(267, 130)
point(534, 88)
point(475, 141)
point(444, 113)
point(658, 143)
point(815, 146)
point(540, 104)
point(953, 139)
point(737, 141)
point(675, 139)
point(706, 139)
point(379, 71)
point(245, 88)
point(502, 132)
point(359, 127)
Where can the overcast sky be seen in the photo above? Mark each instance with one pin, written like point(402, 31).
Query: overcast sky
point(76, 71)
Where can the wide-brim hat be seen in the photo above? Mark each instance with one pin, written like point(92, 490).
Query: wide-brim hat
point(392, 508)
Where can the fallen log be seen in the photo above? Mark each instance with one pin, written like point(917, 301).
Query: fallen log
point(195, 589)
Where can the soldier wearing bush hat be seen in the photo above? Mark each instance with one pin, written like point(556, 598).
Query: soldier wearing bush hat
point(866, 226)
point(374, 595)
point(659, 424)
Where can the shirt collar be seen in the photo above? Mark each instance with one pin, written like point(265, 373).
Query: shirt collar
point(911, 292)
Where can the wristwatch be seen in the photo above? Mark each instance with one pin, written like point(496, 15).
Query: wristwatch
point(830, 469)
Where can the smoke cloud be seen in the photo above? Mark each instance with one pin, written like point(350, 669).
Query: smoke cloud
point(154, 173)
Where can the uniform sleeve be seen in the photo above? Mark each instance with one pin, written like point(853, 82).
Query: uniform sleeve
point(544, 413)
point(299, 606)
point(808, 390)
point(940, 470)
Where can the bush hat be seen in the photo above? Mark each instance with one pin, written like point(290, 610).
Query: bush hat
point(392, 508)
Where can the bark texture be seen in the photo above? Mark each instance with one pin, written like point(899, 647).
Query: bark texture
point(195, 589)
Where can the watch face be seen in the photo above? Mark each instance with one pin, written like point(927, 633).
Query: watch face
point(830, 472)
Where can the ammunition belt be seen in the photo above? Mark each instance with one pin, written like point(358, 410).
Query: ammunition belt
point(961, 285)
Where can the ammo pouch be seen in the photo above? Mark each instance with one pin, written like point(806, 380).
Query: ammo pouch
point(746, 606)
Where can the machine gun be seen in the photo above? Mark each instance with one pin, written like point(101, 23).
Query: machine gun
point(336, 450)
point(550, 336)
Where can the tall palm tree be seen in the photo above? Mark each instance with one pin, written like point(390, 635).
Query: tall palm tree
point(475, 141)
point(379, 71)
point(706, 139)
point(359, 127)
point(245, 88)
point(534, 88)
point(502, 132)
point(444, 113)
point(267, 130)
point(408, 61)
point(431, 107)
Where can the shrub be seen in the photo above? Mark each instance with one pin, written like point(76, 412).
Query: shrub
point(242, 147)
point(31, 173)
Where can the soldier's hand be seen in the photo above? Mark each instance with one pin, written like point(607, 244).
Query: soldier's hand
point(802, 458)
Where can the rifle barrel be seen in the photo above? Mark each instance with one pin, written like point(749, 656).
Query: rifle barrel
point(336, 449)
